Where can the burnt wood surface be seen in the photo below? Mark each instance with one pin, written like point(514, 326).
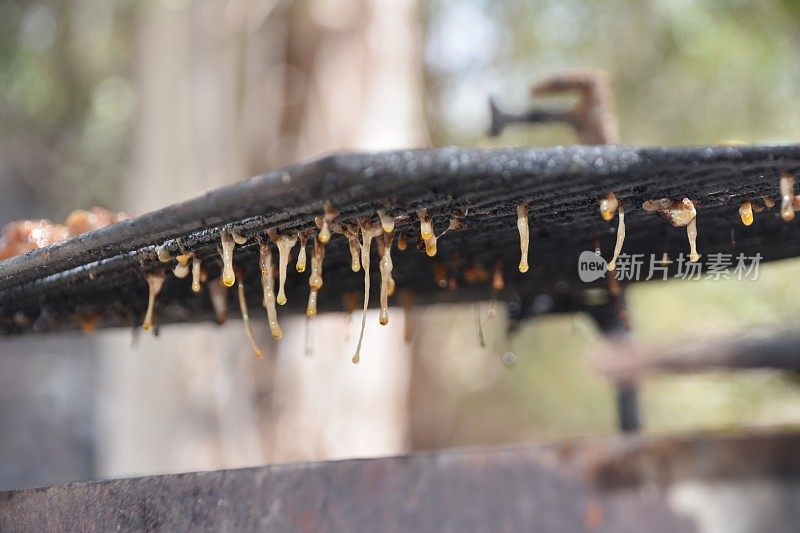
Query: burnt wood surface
point(102, 272)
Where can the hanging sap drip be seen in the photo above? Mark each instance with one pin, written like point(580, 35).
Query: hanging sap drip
point(387, 283)
point(498, 282)
point(155, 280)
point(246, 318)
point(300, 266)
point(323, 223)
point(285, 243)
point(238, 238)
point(181, 270)
point(368, 232)
point(786, 186)
point(608, 206)
point(315, 279)
point(228, 244)
point(524, 236)
point(402, 242)
point(679, 214)
point(196, 264)
point(746, 212)
point(268, 287)
point(387, 221)
point(163, 254)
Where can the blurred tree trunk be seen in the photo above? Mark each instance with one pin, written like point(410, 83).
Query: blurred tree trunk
point(227, 90)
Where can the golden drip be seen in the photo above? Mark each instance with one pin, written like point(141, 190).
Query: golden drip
point(285, 243)
point(267, 285)
point(387, 221)
point(315, 279)
point(228, 244)
point(181, 270)
point(246, 320)
point(608, 206)
point(355, 253)
point(612, 265)
point(155, 280)
point(301, 255)
point(498, 282)
point(786, 186)
point(769, 201)
point(367, 234)
point(402, 243)
point(425, 224)
point(746, 212)
point(386, 277)
point(196, 273)
point(679, 214)
point(218, 293)
point(524, 236)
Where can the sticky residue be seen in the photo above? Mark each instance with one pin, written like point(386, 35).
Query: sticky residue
point(246, 319)
point(228, 244)
point(387, 283)
point(746, 212)
point(300, 266)
point(196, 263)
point(786, 186)
point(181, 270)
point(323, 223)
point(612, 265)
point(267, 285)
point(285, 243)
point(402, 242)
point(368, 232)
point(218, 293)
point(524, 236)
point(679, 214)
point(155, 280)
point(315, 278)
point(238, 238)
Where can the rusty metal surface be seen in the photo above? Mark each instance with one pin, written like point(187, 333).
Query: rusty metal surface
point(620, 484)
point(101, 273)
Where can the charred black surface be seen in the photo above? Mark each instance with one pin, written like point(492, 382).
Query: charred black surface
point(102, 272)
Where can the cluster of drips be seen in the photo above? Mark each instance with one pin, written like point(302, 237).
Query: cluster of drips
point(359, 235)
point(684, 213)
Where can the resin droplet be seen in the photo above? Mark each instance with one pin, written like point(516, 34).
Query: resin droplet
point(746, 212)
point(301, 255)
point(285, 243)
point(608, 206)
point(324, 232)
point(612, 265)
point(196, 273)
point(681, 213)
point(228, 244)
point(787, 197)
point(387, 221)
point(218, 293)
point(524, 236)
point(498, 283)
point(367, 234)
point(430, 246)
point(267, 285)
point(355, 253)
point(246, 320)
point(402, 243)
point(155, 280)
point(425, 224)
point(386, 278)
point(769, 201)
point(181, 270)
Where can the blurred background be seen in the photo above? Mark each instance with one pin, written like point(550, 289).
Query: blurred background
point(134, 105)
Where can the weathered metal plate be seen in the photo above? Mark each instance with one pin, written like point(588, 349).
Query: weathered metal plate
point(101, 272)
point(621, 484)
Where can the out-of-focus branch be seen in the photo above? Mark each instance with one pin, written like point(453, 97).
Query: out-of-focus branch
point(768, 347)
